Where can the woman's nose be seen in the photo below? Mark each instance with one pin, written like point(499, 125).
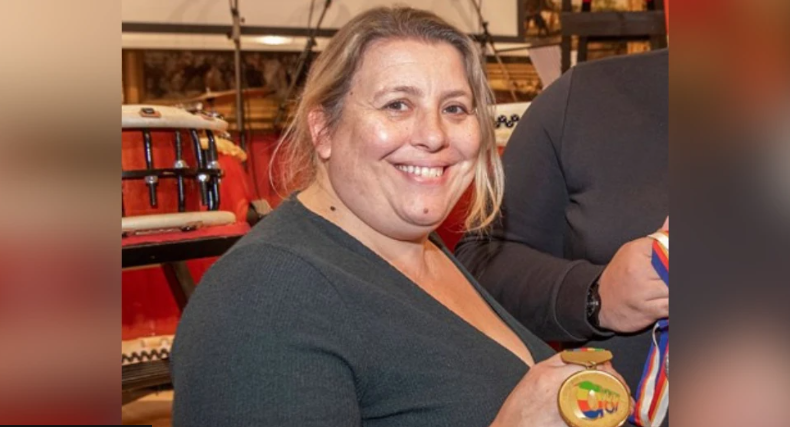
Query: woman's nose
point(430, 132)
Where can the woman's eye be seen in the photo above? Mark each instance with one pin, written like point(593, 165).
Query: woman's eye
point(396, 106)
point(457, 109)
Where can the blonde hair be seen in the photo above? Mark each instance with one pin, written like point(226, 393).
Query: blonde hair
point(330, 78)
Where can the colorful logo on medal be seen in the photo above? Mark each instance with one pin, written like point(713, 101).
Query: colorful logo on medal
point(595, 401)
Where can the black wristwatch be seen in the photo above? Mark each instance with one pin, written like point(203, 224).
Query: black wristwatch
point(593, 305)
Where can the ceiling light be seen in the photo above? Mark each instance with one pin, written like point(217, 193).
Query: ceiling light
point(274, 40)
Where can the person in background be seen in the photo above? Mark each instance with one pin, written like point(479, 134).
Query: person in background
point(587, 180)
point(340, 308)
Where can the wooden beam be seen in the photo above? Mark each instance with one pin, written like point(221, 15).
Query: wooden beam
point(613, 24)
point(133, 79)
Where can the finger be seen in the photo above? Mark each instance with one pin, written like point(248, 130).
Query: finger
point(666, 224)
point(643, 245)
point(556, 364)
point(658, 309)
point(561, 373)
point(653, 289)
point(553, 361)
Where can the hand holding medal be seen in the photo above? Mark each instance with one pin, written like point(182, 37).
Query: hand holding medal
point(562, 379)
point(593, 397)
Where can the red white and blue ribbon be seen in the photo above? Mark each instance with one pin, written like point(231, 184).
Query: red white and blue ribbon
point(652, 396)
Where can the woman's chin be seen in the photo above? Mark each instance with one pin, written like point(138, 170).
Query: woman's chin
point(427, 222)
point(409, 228)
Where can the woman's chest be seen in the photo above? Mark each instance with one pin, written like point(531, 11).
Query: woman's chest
point(417, 357)
point(417, 367)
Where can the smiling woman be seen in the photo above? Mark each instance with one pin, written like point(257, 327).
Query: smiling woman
point(341, 308)
point(406, 145)
point(334, 81)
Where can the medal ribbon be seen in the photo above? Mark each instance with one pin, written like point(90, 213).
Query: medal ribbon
point(652, 397)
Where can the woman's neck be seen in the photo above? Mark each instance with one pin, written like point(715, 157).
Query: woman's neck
point(408, 256)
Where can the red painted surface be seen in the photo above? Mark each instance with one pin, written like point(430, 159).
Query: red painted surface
point(148, 307)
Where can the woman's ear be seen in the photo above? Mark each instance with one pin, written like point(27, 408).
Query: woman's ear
point(316, 120)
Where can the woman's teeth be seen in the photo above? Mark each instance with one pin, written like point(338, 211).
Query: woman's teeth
point(422, 171)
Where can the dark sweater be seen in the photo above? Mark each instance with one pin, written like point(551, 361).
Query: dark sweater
point(586, 170)
point(300, 324)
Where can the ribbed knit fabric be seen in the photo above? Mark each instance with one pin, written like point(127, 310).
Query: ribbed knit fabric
point(301, 325)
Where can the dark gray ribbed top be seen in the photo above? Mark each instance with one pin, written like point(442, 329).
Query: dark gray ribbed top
point(302, 325)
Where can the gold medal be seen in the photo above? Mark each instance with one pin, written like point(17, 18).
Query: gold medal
point(592, 398)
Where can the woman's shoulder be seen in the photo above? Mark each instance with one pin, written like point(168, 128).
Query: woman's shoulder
point(260, 291)
point(261, 308)
point(285, 227)
point(282, 264)
point(291, 229)
point(261, 271)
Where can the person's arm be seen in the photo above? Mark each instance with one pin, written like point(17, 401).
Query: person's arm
point(520, 262)
point(264, 341)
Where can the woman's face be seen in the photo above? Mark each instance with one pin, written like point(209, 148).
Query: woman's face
point(406, 145)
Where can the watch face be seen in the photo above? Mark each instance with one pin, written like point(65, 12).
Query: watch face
point(593, 301)
point(593, 305)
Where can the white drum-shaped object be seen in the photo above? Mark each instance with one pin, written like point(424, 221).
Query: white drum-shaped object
point(506, 118)
point(170, 169)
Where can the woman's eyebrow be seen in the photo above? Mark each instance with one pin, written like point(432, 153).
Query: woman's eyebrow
point(414, 91)
point(409, 90)
point(457, 93)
